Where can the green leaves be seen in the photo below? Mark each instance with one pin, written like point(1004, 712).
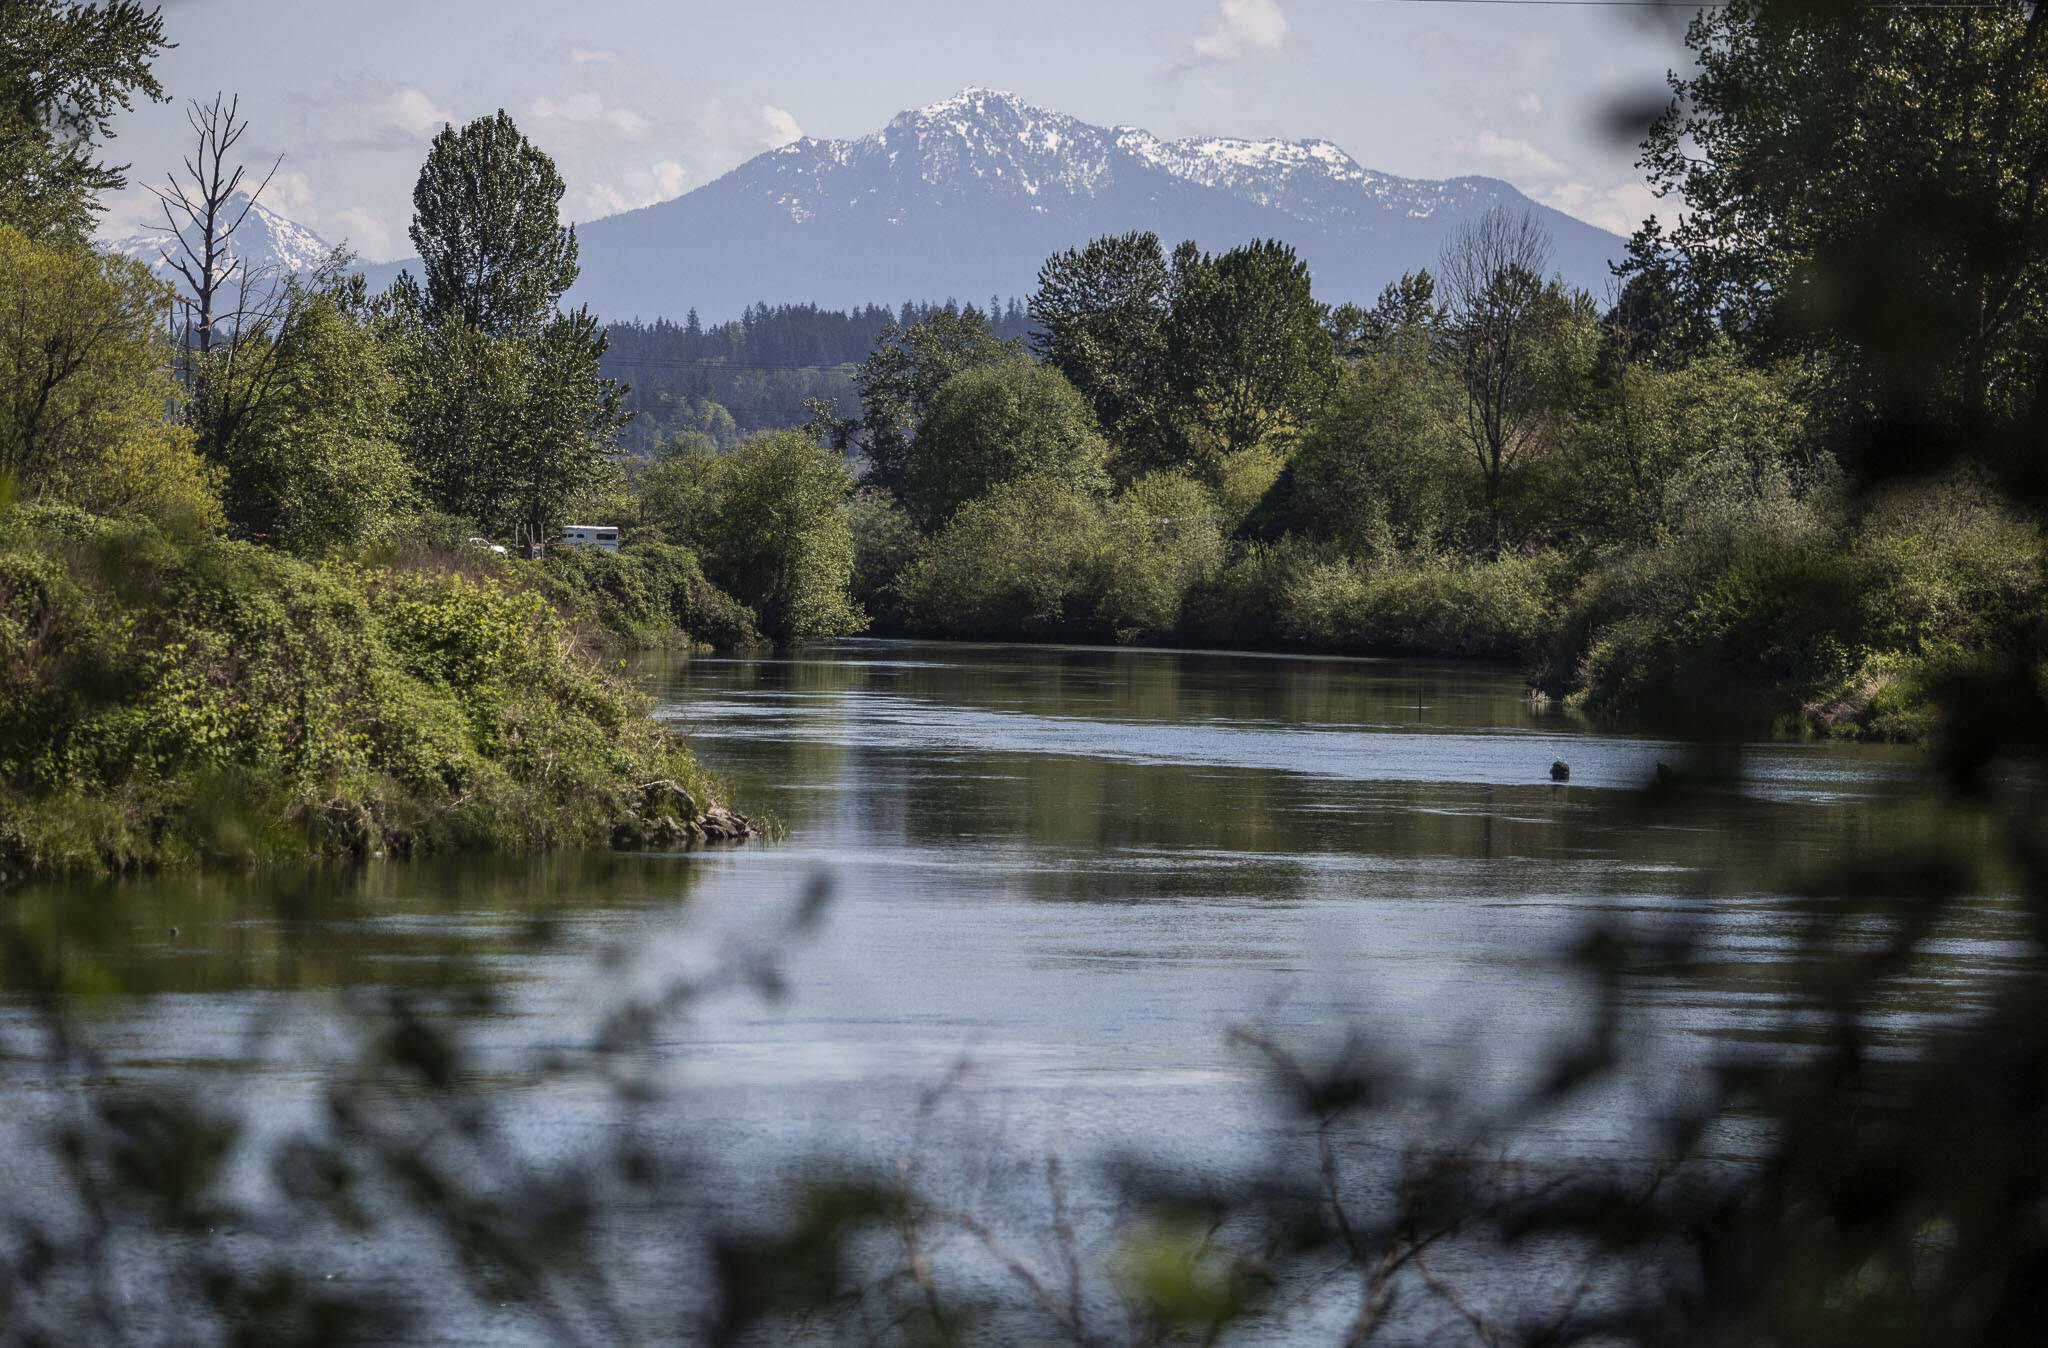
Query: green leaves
point(485, 219)
point(770, 520)
point(995, 423)
point(65, 69)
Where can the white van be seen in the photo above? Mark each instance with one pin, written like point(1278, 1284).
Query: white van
point(604, 537)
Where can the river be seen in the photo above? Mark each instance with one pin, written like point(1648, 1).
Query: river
point(1052, 885)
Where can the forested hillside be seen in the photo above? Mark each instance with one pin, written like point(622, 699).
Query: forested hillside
point(756, 372)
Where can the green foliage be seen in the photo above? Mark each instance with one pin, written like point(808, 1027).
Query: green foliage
point(305, 427)
point(1021, 561)
point(165, 702)
point(84, 384)
point(1795, 620)
point(905, 371)
point(1043, 557)
point(1379, 471)
point(486, 219)
point(885, 543)
point(511, 431)
point(1295, 594)
point(1862, 185)
point(1164, 539)
point(1247, 345)
point(1102, 317)
point(65, 70)
point(769, 519)
point(1656, 447)
point(995, 423)
point(647, 595)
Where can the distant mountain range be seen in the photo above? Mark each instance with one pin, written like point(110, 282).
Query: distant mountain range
point(265, 242)
point(967, 197)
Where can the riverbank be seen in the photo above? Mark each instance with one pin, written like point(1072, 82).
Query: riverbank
point(175, 701)
point(1835, 619)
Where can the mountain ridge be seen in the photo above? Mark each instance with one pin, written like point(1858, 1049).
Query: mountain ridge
point(969, 195)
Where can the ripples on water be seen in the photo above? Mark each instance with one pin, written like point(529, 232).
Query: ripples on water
point(1069, 872)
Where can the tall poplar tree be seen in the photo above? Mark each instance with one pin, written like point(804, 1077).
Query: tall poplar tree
point(486, 219)
point(508, 421)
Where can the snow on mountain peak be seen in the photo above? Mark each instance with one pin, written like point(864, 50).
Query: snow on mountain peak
point(265, 241)
point(995, 139)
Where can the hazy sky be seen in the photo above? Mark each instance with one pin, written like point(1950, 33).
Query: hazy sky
point(640, 100)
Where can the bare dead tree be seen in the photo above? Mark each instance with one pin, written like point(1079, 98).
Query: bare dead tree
point(203, 208)
point(1492, 273)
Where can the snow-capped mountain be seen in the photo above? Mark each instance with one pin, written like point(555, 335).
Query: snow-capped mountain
point(266, 242)
point(967, 197)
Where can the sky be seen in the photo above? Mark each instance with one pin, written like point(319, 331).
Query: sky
point(639, 100)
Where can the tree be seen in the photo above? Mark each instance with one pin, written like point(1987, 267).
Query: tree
point(315, 462)
point(1247, 345)
point(508, 431)
point(85, 384)
point(1380, 469)
point(1864, 180)
point(769, 519)
point(486, 221)
point(1102, 316)
point(995, 423)
point(570, 420)
point(909, 364)
point(202, 212)
point(1504, 330)
point(507, 418)
point(65, 69)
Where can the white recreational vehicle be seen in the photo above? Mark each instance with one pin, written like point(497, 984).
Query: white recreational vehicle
point(604, 537)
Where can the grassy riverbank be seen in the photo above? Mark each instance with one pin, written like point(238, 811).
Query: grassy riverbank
point(170, 700)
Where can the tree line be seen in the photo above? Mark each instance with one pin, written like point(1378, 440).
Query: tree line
point(756, 372)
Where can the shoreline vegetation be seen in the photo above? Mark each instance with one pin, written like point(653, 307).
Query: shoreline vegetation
point(244, 612)
point(178, 701)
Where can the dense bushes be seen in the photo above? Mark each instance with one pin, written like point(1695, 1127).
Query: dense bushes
point(1042, 557)
point(1830, 621)
point(770, 521)
point(650, 595)
point(165, 701)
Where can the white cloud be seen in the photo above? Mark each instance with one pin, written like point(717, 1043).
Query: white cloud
point(1528, 104)
point(583, 117)
point(1235, 31)
point(1614, 205)
point(622, 132)
point(1620, 207)
point(368, 113)
point(290, 193)
point(368, 233)
point(1517, 160)
point(625, 137)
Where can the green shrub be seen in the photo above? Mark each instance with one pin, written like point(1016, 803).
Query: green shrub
point(992, 424)
point(1021, 561)
point(1294, 593)
point(164, 701)
point(645, 596)
point(1827, 622)
point(769, 520)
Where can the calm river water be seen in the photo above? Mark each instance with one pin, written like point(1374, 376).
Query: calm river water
point(1058, 878)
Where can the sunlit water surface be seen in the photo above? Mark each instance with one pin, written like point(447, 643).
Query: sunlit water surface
point(1059, 878)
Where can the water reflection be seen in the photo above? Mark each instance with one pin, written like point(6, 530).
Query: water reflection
point(1080, 867)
